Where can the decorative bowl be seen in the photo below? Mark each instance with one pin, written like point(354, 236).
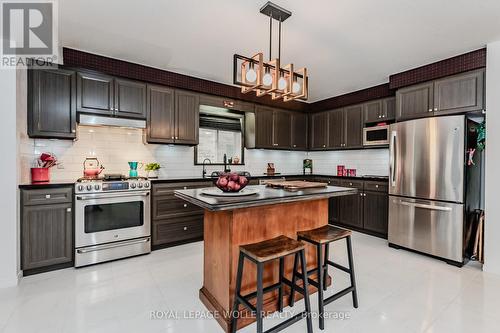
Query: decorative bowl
point(231, 181)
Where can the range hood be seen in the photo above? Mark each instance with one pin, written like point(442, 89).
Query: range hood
point(94, 120)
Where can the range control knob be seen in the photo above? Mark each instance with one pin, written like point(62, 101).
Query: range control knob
point(80, 187)
point(89, 187)
point(146, 185)
point(97, 187)
point(132, 185)
point(139, 185)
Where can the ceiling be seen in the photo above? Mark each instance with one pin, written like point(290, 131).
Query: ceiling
point(346, 45)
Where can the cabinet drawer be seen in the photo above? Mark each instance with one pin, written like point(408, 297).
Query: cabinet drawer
point(179, 229)
point(376, 186)
point(352, 183)
point(169, 188)
point(170, 206)
point(47, 196)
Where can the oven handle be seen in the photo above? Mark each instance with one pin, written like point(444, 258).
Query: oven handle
point(111, 246)
point(111, 195)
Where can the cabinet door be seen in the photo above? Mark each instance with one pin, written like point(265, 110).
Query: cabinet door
point(351, 210)
point(353, 130)
point(459, 93)
point(176, 230)
point(95, 93)
point(336, 128)
point(52, 103)
point(415, 101)
point(376, 207)
point(47, 235)
point(282, 129)
point(130, 99)
point(319, 130)
point(187, 117)
point(299, 130)
point(161, 115)
point(263, 127)
point(373, 111)
point(389, 108)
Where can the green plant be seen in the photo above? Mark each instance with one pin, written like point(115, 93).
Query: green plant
point(152, 166)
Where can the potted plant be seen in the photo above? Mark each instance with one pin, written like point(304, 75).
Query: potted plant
point(152, 169)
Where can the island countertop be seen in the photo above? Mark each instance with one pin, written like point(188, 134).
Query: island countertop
point(265, 196)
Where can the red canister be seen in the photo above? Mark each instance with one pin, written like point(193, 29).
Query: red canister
point(340, 170)
point(40, 175)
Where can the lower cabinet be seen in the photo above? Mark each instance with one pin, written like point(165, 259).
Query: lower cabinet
point(46, 230)
point(375, 211)
point(175, 221)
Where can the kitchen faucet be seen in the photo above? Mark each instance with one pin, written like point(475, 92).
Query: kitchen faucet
point(226, 169)
point(204, 172)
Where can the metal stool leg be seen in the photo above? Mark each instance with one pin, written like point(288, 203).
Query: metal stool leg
point(325, 274)
point(280, 291)
point(351, 267)
point(307, 302)
point(294, 280)
point(234, 313)
point(321, 310)
point(259, 314)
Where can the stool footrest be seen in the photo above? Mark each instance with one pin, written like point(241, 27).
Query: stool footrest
point(342, 268)
point(286, 323)
point(338, 295)
point(264, 290)
point(246, 303)
point(296, 287)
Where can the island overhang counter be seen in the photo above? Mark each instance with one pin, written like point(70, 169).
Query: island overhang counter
point(233, 221)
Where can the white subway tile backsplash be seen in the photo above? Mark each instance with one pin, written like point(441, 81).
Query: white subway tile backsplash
point(114, 147)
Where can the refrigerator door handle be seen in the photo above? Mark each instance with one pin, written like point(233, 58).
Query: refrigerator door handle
point(392, 162)
point(424, 206)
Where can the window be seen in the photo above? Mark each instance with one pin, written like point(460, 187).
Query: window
point(218, 136)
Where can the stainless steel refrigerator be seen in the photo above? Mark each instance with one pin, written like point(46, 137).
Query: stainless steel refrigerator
point(427, 186)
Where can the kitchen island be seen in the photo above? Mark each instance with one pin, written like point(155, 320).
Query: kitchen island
point(233, 221)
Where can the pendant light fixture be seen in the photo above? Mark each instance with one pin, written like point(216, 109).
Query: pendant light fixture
point(253, 74)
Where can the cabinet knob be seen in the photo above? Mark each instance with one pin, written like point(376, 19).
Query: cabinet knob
point(376, 186)
point(173, 138)
point(361, 194)
point(185, 205)
point(430, 110)
point(185, 228)
point(294, 146)
point(176, 138)
point(350, 184)
point(185, 187)
point(47, 196)
point(275, 144)
point(73, 131)
point(68, 210)
point(435, 109)
point(324, 146)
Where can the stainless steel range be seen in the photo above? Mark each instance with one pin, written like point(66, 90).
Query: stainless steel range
point(112, 219)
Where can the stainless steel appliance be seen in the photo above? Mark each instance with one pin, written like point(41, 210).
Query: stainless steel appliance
point(112, 219)
point(427, 186)
point(376, 135)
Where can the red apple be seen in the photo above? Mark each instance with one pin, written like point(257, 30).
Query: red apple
point(237, 186)
point(234, 177)
point(222, 181)
point(243, 180)
point(231, 185)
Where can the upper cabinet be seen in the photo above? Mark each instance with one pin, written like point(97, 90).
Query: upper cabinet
point(279, 129)
point(319, 130)
point(336, 129)
point(380, 110)
point(51, 103)
point(173, 116)
point(105, 95)
point(353, 127)
point(455, 94)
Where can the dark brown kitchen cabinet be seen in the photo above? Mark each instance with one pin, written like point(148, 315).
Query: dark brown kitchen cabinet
point(46, 229)
point(336, 129)
point(173, 116)
point(299, 131)
point(282, 129)
point(175, 221)
point(353, 127)
point(459, 93)
point(52, 103)
point(187, 114)
point(319, 130)
point(160, 115)
point(375, 211)
point(415, 101)
point(130, 99)
point(264, 127)
point(389, 111)
point(109, 96)
point(380, 110)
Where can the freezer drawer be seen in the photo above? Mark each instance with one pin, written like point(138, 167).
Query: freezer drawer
point(431, 227)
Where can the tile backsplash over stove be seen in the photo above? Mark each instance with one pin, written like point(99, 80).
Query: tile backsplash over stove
point(115, 146)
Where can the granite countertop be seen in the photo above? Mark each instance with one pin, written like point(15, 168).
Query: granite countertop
point(265, 196)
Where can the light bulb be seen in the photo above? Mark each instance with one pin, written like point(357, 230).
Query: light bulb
point(251, 75)
point(282, 83)
point(267, 79)
point(296, 87)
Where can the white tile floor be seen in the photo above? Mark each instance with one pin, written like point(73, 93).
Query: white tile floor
point(399, 291)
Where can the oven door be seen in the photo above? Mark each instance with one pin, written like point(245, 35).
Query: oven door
point(110, 217)
point(376, 135)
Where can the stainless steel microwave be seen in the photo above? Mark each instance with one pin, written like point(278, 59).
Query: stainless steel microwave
point(376, 135)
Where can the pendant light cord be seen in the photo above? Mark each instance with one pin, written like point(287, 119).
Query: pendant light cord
point(270, 36)
point(279, 40)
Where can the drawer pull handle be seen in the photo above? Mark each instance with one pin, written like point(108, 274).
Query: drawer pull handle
point(47, 196)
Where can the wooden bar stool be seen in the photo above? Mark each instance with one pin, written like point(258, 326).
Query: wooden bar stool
point(259, 253)
point(319, 237)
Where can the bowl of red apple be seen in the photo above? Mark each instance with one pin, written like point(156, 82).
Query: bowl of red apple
point(231, 181)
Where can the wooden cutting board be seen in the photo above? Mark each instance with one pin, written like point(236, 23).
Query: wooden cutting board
point(294, 185)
